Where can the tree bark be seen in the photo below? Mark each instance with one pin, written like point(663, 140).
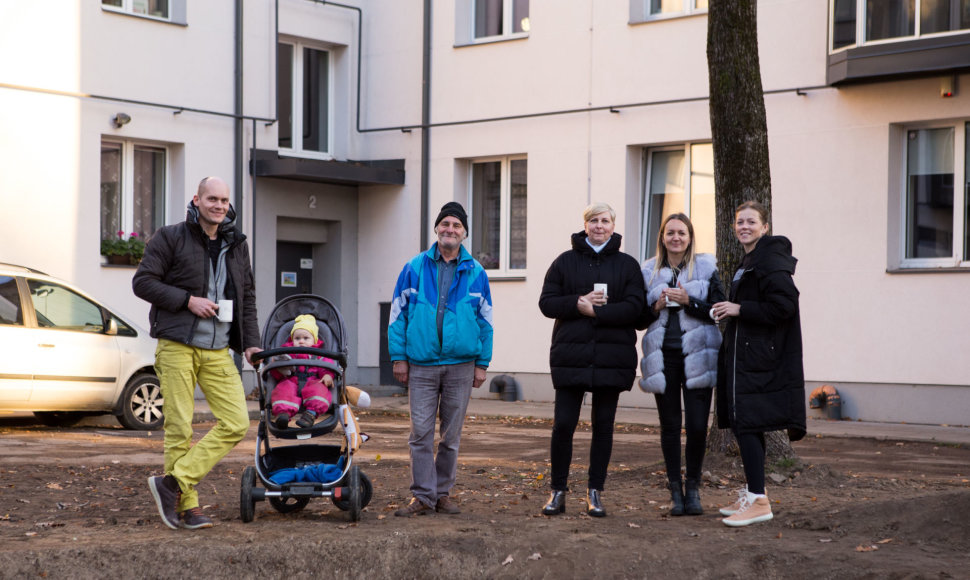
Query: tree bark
point(739, 131)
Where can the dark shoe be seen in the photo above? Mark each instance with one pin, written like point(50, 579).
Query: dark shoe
point(415, 508)
point(556, 504)
point(595, 506)
point(194, 519)
point(306, 419)
point(281, 420)
point(446, 506)
point(676, 498)
point(166, 492)
point(692, 500)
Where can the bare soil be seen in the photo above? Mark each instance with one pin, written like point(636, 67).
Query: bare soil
point(74, 504)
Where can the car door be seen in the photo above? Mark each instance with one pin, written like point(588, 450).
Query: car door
point(77, 362)
point(16, 355)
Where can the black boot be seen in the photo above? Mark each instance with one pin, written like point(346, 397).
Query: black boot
point(692, 503)
point(556, 504)
point(594, 505)
point(676, 498)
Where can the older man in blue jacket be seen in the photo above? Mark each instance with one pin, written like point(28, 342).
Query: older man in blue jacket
point(440, 339)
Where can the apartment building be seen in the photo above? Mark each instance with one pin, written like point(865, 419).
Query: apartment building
point(343, 127)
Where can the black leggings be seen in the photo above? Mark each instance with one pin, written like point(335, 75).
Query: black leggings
point(752, 446)
point(568, 404)
point(697, 408)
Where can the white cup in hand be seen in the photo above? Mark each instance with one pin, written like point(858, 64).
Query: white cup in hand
point(600, 286)
point(225, 311)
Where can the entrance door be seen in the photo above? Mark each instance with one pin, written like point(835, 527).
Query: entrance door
point(294, 269)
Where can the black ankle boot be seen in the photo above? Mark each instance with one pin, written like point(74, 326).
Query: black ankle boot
point(676, 498)
point(594, 505)
point(556, 504)
point(692, 503)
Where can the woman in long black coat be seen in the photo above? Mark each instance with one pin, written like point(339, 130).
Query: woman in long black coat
point(760, 382)
point(593, 346)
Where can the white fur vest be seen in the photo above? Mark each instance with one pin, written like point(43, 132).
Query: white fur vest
point(701, 339)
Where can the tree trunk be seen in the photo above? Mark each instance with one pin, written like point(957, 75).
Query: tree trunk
point(739, 131)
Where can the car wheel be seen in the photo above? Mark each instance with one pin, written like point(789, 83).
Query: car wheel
point(141, 403)
point(58, 418)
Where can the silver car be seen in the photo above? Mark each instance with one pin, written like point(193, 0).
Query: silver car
point(65, 356)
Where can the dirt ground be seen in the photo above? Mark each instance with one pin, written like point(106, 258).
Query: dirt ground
point(74, 504)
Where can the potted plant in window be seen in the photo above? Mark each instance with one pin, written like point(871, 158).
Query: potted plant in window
point(123, 249)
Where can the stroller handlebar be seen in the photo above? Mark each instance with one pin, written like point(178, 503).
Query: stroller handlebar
point(271, 352)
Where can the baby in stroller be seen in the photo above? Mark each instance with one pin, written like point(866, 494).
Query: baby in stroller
point(301, 387)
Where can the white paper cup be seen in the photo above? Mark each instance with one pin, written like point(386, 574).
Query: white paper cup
point(600, 286)
point(225, 311)
point(671, 303)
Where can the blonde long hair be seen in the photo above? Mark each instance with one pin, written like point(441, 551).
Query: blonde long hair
point(662, 249)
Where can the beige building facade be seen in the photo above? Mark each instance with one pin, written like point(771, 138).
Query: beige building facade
point(343, 127)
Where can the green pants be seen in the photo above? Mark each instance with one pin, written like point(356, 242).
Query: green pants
point(179, 368)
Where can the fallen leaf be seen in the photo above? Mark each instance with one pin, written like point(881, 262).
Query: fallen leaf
point(825, 540)
point(536, 556)
point(886, 541)
point(378, 457)
point(779, 535)
point(54, 486)
point(861, 548)
point(633, 525)
point(508, 560)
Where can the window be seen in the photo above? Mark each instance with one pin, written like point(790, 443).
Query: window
point(499, 213)
point(662, 8)
point(10, 310)
point(303, 100)
point(679, 180)
point(133, 184)
point(935, 211)
point(875, 20)
point(167, 10)
point(58, 307)
point(500, 18)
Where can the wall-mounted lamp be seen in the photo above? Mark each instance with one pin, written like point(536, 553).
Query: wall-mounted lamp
point(120, 119)
point(948, 86)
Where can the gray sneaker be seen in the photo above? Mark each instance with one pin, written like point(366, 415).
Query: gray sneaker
point(166, 492)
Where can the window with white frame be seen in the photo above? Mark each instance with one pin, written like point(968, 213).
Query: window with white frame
point(641, 10)
point(936, 206)
point(169, 10)
point(303, 98)
point(499, 18)
point(859, 22)
point(499, 219)
point(133, 188)
point(679, 179)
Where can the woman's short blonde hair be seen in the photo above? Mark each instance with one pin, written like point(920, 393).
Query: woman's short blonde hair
point(596, 209)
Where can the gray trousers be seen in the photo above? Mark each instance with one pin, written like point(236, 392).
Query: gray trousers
point(432, 391)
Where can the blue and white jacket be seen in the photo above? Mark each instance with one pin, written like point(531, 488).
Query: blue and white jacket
point(412, 333)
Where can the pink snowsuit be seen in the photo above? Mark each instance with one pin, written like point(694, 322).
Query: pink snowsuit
point(315, 396)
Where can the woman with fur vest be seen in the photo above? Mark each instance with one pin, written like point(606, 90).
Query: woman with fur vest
point(680, 352)
point(594, 346)
point(760, 382)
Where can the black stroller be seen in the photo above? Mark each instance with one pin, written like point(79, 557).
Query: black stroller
point(323, 470)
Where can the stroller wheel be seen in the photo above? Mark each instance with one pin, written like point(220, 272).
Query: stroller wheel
point(247, 504)
point(355, 494)
point(289, 504)
point(366, 491)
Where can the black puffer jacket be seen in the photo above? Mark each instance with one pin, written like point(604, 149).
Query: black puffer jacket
point(593, 353)
point(176, 266)
point(760, 381)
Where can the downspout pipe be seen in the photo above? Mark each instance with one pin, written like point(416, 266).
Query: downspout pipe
point(237, 111)
point(425, 121)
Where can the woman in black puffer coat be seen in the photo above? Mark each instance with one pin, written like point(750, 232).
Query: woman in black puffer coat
point(593, 346)
point(760, 382)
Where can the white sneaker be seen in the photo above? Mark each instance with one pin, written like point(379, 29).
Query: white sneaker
point(737, 505)
point(757, 511)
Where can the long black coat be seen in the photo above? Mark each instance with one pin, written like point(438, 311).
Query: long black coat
point(760, 381)
point(593, 353)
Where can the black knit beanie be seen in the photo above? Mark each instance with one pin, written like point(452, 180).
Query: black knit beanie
point(453, 209)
